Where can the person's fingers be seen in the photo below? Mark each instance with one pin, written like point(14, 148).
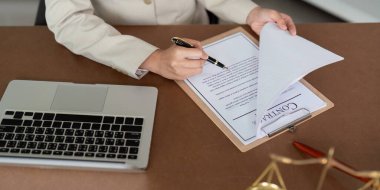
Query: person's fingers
point(276, 16)
point(197, 44)
point(289, 22)
point(192, 63)
point(190, 53)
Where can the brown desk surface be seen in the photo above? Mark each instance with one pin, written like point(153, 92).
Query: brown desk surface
point(188, 151)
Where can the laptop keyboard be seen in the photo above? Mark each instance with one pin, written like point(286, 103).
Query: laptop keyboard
point(70, 136)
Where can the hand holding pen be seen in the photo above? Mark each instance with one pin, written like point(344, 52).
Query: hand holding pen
point(176, 62)
point(183, 43)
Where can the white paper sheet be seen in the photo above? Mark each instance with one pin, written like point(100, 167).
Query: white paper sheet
point(285, 59)
point(231, 94)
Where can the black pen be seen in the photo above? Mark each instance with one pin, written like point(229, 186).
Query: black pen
point(180, 42)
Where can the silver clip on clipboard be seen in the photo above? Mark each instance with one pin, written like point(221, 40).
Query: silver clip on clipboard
point(286, 121)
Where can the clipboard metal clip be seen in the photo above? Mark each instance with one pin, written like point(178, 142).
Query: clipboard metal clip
point(286, 121)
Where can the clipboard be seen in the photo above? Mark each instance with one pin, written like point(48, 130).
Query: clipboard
point(295, 118)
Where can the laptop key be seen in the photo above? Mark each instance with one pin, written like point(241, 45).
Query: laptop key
point(119, 142)
point(86, 126)
point(27, 123)
point(57, 153)
point(68, 153)
point(49, 138)
point(41, 145)
point(37, 116)
point(106, 127)
point(47, 152)
point(76, 125)
point(108, 119)
point(66, 125)
point(131, 128)
point(79, 140)
point(89, 140)
point(29, 137)
point(49, 131)
point(72, 147)
point(111, 155)
point(128, 120)
point(78, 154)
point(4, 149)
point(25, 151)
point(8, 129)
point(31, 145)
point(108, 134)
point(132, 143)
point(132, 157)
point(18, 115)
point(9, 112)
point(103, 148)
point(119, 120)
point(37, 123)
point(139, 121)
point(30, 130)
point(115, 127)
point(62, 146)
point(133, 150)
point(89, 154)
point(122, 156)
point(57, 124)
point(3, 143)
point(11, 144)
point(123, 150)
point(36, 151)
point(9, 136)
point(100, 155)
point(119, 135)
point(21, 144)
point(48, 116)
point(82, 148)
point(20, 129)
point(47, 124)
point(15, 150)
point(12, 122)
point(132, 135)
point(59, 138)
point(112, 149)
point(52, 146)
point(28, 113)
point(19, 137)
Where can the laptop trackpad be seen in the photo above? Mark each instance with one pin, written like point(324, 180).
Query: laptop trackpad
point(79, 98)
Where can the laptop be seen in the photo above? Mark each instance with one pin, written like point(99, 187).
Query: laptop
point(67, 125)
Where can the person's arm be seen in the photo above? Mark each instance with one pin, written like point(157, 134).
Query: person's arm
point(76, 27)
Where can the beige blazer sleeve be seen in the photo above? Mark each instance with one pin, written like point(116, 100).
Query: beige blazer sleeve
point(235, 11)
point(76, 27)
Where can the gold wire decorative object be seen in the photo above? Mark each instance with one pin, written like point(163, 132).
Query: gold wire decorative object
point(271, 169)
point(327, 162)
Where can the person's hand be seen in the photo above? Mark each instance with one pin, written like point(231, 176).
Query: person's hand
point(258, 17)
point(177, 62)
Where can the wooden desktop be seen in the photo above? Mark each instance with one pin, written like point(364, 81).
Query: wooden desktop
point(188, 151)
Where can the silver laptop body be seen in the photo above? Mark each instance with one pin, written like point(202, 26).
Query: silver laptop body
point(67, 125)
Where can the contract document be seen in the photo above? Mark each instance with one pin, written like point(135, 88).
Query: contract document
point(232, 96)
